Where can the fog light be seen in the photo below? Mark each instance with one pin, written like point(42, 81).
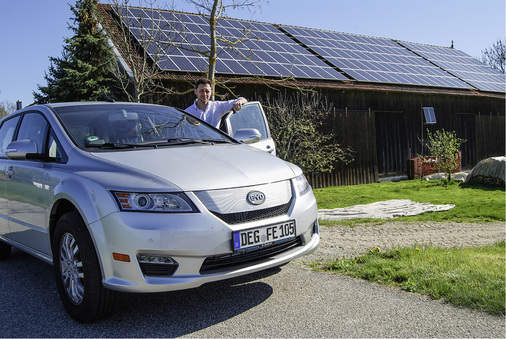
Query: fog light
point(157, 265)
point(148, 259)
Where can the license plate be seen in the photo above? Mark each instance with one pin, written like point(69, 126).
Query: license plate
point(263, 236)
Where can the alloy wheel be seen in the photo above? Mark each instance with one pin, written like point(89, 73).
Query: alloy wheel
point(71, 267)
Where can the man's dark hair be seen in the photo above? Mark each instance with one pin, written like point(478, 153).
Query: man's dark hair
point(203, 81)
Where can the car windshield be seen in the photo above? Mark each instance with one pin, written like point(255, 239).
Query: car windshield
point(128, 125)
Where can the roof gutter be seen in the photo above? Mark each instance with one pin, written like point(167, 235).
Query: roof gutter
point(120, 58)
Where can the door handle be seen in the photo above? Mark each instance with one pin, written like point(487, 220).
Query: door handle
point(9, 172)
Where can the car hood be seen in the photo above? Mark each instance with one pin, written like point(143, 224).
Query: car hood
point(195, 167)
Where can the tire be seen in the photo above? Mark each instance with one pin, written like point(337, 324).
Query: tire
point(5, 250)
point(77, 272)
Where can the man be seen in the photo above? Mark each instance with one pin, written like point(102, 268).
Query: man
point(211, 111)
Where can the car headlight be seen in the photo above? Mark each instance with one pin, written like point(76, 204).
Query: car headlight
point(154, 202)
point(302, 184)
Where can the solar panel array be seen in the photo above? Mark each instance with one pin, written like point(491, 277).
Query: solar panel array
point(179, 42)
point(462, 65)
point(374, 59)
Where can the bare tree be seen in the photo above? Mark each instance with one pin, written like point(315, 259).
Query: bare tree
point(214, 10)
point(495, 56)
point(157, 36)
point(138, 65)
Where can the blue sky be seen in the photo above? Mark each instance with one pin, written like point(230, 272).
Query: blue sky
point(33, 30)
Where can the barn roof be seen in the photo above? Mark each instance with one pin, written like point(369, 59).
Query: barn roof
point(176, 42)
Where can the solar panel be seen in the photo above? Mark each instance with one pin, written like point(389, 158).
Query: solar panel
point(374, 59)
point(258, 50)
point(430, 115)
point(462, 65)
point(176, 42)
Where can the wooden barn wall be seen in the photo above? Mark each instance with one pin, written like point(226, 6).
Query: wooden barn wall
point(392, 129)
point(356, 130)
point(386, 129)
point(490, 139)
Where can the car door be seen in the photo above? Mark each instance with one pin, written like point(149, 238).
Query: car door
point(28, 189)
point(7, 130)
point(250, 116)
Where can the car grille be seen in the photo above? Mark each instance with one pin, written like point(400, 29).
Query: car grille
point(230, 261)
point(240, 217)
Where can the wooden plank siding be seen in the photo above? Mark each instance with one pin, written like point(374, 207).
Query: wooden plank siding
point(490, 137)
point(382, 147)
point(356, 130)
point(390, 129)
point(466, 129)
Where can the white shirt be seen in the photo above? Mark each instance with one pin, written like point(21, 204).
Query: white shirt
point(214, 111)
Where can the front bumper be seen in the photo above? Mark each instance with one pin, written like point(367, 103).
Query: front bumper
point(190, 239)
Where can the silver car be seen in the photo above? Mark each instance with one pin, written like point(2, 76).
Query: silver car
point(124, 197)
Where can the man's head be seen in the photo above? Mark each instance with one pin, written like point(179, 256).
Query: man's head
point(202, 81)
point(203, 91)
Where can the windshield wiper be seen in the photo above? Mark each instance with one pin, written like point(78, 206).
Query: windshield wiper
point(218, 141)
point(155, 144)
point(184, 141)
point(118, 145)
point(112, 145)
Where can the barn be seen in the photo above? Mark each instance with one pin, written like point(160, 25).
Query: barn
point(385, 93)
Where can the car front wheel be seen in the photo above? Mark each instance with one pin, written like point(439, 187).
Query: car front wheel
point(77, 271)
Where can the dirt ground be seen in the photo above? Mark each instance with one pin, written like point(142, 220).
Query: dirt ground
point(338, 242)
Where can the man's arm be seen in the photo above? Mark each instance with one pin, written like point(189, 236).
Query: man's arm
point(238, 104)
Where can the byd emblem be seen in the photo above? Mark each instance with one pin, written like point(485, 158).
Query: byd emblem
point(255, 198)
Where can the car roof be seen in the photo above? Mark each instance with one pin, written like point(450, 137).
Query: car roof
point(91, 103)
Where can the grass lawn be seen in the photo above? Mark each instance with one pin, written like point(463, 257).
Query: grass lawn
point(477, 203)
point(469, 277)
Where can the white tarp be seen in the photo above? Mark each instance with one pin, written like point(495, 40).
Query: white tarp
point(382, 209)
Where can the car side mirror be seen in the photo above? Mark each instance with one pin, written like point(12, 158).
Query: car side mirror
point(23, 149)
point(248, 135)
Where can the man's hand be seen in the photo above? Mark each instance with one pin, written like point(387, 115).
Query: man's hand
point(238, 104)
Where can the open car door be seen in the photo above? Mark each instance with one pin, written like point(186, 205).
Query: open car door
point(251, 116)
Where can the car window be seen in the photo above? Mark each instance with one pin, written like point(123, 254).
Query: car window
point(55, 150)
point(33, 127)
point(6, 134)
point(250, 116)
point(91, 126)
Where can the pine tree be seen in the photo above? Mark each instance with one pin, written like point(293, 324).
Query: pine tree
point(85, 67)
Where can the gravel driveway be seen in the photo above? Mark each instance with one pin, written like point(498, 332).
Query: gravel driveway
point(338, 242)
